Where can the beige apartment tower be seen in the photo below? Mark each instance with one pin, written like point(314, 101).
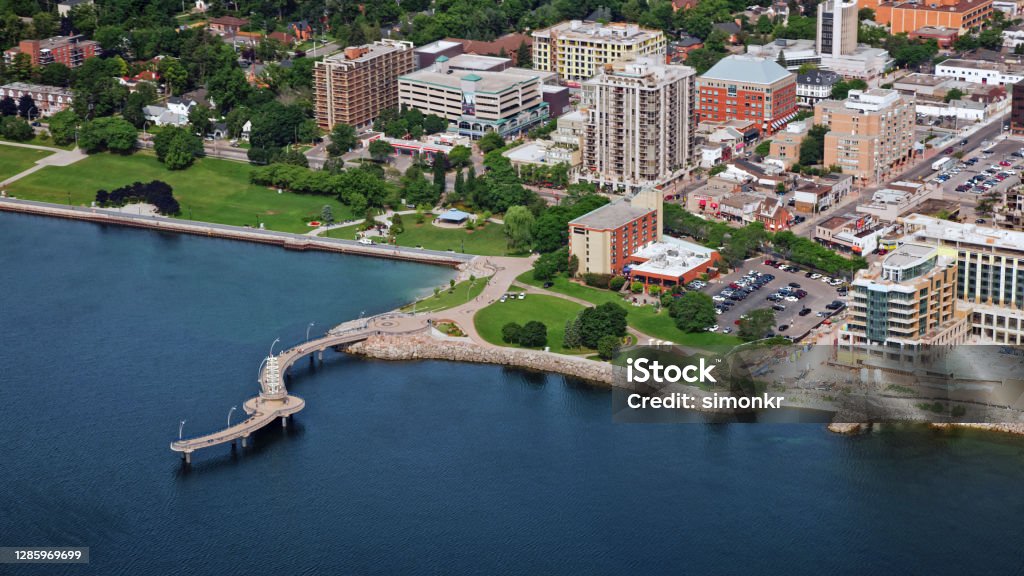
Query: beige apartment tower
point(870, 133)
point(640, 123)
point(354, 86)
point(576, 49)
point(837, 27)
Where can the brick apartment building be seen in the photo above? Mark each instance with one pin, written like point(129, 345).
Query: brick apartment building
point(604, 239)
point(353, 87)
point(906, 16)
point(743, 87)
point(70, 51)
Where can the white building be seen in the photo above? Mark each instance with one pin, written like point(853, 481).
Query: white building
point(978, 72)
point(815, 86)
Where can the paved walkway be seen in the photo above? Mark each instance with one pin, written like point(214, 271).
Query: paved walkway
point(59, 157)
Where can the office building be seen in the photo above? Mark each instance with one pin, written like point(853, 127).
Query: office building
point(354, 86)
point(744, 87)
point(640, 127)
point(70, 51)
point(905, 16)
point(905, 303)
point(604, 239)
point(476, 102)
point(575, 50)
point(870, 133)
point(837, 27)
point(990, 279)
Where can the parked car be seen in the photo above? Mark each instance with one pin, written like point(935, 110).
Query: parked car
point(805, 312)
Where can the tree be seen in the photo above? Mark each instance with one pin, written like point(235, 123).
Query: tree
point(432, 124)
point(174, 74)
point(177, 147)
point(326, 214)
point(524, 58)
point(380, 150)
point(510, 333)
point(459, 156)
point(55, 74)
point(199, 120)
point(534, 334)
point(607, 347)
point(757, 324)
point(866, 14)
point(991, 38)
point(693, 311)
point(440, 170)
point(781, 60)
point(953, 94)
point(343, 139)
point(8, 106)
point(608, 319)
point(490, 141)
point(841, 89)
point(519, 228)
point(62, 127)
point(27, 107)
point(113, 134)
point(17, 129)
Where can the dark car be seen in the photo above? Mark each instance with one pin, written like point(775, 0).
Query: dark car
point(783, 327)
point(948, 150)
point(794, 285)
point(805, 312)
point(808, 275)
point(549, 284)
point(801, 293)
point(979, 221)
point(778, 307)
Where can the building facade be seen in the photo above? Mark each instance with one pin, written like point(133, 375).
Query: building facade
point(476, 102)
point(837, 27)
point(353, 87)
point(48, 100)
point(604, 239)
point(979, 72)
point(1017, 109)
point(815, 86)
point(640, 127)
point(990, 264)
point(70, 51)
point(906, 303)
point(576, 49)
point(870, 133)
point(905, 16)
point(750, 88)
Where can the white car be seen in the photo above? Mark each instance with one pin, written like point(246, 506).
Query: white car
point(825, 279)
point(718, 311)
point(792, 299)
point(522, 295)
point(815, 276)
point(718, 298)
point(366, 241)
point(713, 328)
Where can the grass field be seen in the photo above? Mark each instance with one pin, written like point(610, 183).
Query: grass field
point(642, 318)
point(48, 142)
point(211, 190)
point(14, 159)
point(463, 292)
point(553, 311)
point(486, 241)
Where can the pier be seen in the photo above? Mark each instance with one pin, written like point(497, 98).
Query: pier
point(274, 402)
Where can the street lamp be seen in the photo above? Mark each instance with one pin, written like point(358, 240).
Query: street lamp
point(307, 329)
point(272, 346)
point(233, 408)
point(180, 428)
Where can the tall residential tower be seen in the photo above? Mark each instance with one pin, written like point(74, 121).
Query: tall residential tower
point(837, 27)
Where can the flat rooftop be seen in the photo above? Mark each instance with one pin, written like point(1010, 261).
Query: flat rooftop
point(671, 257)
point(611, 32)
point(439, 46)
point(611, 216)
point(928, 227)
point(486, 81)
point(907, 255)
point(961, 63)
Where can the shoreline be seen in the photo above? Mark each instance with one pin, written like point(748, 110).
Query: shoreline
point(287, 240)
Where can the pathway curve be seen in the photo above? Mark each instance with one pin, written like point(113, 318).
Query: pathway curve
point(59, 157)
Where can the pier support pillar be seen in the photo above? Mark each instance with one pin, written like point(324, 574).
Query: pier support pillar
point(188, 458)
point(320, 356)
point(244, 438)
point(284, 421)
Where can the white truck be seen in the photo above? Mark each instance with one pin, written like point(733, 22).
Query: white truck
point(943, 163)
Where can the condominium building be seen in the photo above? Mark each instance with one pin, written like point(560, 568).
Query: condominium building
point(47, 100)
point(70, 51)
point(871, 132)
point(1017, 109)
point(745, 87)
point(476, 102)
point(604, 239)
point(990, 279)
point(576, 49)
point(837, 27)
point(640, 126)
point(905, 303)
point(354, 86)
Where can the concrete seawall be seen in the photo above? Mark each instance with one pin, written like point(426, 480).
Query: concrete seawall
point(424, 347)
point(283, 239)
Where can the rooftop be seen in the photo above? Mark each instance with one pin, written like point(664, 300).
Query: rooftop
point(928, 227)
point(746, 68)
point(611, 216)
point(962, 63)
point(484, 81)
point(908, 254)
point(623, 32)
point(671, 257)
point(439, 46)
point(367, 52)
point(820, 77)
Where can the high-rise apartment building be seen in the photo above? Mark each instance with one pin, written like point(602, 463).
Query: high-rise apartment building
point(354, 86)
point(906, 302)
point(575, 50)
point(640, 126)
point(990, 272)
point(870, 132)
point(837, 27)
point(70, 51)
point(1017, 109)
point(745, 87)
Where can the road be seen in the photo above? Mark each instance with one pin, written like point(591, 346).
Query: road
point(990, 131)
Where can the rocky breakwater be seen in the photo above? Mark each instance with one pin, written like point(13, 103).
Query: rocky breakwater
point(424, 347)
point(1006, 428)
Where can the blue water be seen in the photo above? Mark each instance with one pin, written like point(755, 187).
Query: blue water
point(109, 337)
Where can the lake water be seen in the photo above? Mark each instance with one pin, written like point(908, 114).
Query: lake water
point(109, 337)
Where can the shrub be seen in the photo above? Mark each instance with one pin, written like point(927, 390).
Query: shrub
point(654, 290)
point(608, 347)
point(636, 287)
point(617, 283)
point(510, 333)
point(533, 334)
point(597, 280)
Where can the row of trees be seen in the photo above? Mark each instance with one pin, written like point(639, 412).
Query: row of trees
point(157, 193)
point(357, 188)
point(807, 252)
point(600, 328)
point(533, 334)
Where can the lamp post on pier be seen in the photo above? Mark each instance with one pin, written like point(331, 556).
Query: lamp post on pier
point(180, 428)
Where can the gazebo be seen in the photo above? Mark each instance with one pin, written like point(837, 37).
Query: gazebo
point(453, 216)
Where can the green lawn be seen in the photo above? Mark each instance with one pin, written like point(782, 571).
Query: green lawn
point(642, 318)
point(48, 142)
point(486, 241)
point(463, 292)
point(553, 311)
point(14, 159)
point(212, 190)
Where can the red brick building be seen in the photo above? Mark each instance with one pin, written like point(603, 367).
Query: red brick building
point(225, 25)
point(70, 51)
point(744, 87)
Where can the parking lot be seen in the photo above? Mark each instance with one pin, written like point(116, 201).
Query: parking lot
point(819, 294)
point(969, 194)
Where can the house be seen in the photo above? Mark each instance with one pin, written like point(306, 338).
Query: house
point(219, 130)
point(817, 196)
point(47, 100)
point(678, 49)
point(301, 30)
point(731, 29)
point(707, 200)
point(174, 114)
point(132, 82)
point(64, 7)
point(282, 37)
point(773, 215)
point(227, 25)
point(246, 129)
point(740, 208)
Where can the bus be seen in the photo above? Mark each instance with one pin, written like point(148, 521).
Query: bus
point(943, 163)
